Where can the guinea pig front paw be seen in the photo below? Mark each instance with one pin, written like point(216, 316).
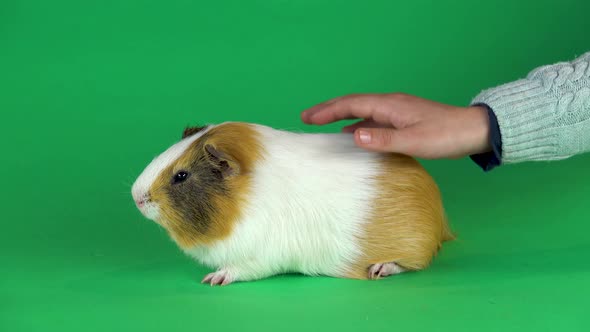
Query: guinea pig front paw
point(379, 270)
point(218, 278)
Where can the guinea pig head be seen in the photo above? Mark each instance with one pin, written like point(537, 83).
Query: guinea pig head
point(195, 189)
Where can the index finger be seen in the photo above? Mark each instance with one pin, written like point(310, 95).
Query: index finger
point(347, 107)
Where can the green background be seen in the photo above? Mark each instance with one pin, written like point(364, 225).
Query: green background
point(91, 91)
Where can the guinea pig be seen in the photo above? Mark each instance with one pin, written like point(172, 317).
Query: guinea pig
point(251, 201)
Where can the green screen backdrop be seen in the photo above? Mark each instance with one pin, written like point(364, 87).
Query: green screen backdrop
point(90, 91)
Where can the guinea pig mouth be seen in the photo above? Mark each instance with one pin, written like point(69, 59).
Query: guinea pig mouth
point(149, 210)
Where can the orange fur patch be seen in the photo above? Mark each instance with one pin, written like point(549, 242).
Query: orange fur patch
point(408, 224)
point(241, 142)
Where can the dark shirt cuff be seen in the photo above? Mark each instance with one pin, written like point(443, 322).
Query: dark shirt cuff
point(490, 160)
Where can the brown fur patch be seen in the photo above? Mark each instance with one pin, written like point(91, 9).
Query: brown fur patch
point(220, 200)
point(408, 223)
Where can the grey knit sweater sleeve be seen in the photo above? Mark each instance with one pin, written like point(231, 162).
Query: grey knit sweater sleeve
point(545, 116)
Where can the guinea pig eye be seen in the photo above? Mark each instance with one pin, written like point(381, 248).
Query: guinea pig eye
point(180, 177)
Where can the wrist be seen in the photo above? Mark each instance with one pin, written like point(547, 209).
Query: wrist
point(489, 160)
point(477, 125)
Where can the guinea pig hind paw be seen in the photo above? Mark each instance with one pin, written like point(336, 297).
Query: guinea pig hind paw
point(380, 270)
point(218, 278)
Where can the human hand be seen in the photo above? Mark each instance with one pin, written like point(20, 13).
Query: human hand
point(406, 124)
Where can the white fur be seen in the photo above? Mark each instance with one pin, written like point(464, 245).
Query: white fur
point(311, 196)
point(141, 187)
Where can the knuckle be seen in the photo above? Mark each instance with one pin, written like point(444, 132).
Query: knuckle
point(385, 137)
point(399, 96)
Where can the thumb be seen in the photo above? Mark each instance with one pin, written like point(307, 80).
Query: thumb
point(386, 139)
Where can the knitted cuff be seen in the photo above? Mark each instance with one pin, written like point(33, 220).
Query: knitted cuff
point(491, 159)
point(524, 110)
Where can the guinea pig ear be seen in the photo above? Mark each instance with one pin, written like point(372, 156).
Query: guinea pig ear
point(189, 131)
point(225, 164)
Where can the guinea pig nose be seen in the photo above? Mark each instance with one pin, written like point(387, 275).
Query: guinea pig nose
point(141, 201)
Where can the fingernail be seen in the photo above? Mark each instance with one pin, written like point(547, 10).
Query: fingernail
point(365, 136)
